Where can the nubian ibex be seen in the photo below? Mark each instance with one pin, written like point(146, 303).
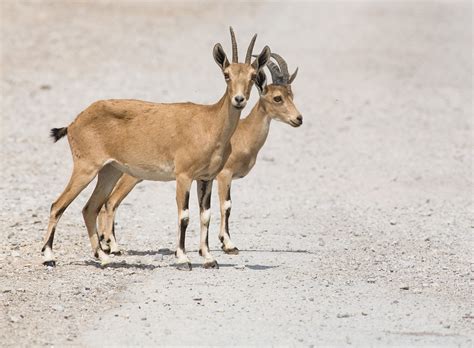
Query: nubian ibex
point(161, 142)
point(276, 102)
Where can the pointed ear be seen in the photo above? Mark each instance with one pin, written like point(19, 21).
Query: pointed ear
point(262, 59)
point(261, 83)
point(293, 76)
point(220, 56)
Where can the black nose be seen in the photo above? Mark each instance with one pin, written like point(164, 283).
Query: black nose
point(239, 99)
point(300, 119)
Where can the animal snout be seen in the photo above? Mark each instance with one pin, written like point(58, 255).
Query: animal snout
point(297, 121)
point(239, 101)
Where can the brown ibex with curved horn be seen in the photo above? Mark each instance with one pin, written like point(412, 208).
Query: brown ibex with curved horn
point(150, 141)
point(276, 102)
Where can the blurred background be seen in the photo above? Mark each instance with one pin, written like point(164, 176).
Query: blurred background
point(376, 183)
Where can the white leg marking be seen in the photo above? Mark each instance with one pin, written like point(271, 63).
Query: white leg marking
point(228, 244)
point(206, 216)
point(181, 256)
point(103, 257)
point(184, 214)
point(114, 248)
point(48, 254)
point(227, 205)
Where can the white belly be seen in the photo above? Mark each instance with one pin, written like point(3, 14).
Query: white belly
point(162, 172)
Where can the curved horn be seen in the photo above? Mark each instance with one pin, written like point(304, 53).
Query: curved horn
point(292, 77)
point(277, 76)
point(235, 56)
point(248, 57)
point(281, 62)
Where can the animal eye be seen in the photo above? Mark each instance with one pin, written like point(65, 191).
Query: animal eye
point(226, 76)
point(277, 99)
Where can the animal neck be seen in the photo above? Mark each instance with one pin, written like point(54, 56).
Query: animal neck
point(227, 118)
point(257, 126)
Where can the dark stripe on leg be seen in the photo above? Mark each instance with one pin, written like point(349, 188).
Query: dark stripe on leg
point(186, 201)
point(227, 214)
point(183, 225)
point(49, 242)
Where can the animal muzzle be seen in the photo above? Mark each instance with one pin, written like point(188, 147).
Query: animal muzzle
point(297, 121)
point(239, 101)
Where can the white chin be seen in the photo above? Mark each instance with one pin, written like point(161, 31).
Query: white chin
point(239, 106)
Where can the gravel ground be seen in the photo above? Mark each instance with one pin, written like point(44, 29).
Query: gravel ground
point(355, 228)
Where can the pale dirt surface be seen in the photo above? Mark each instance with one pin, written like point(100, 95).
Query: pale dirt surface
point(355, 229)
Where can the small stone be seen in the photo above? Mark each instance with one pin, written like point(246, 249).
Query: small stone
point(393, 222)
point(404, 287)
point(364, 314)
point(343, 315)
point(197, 299)
point(14, 318)
point(144, 318)
point(57, 308)
point(371, 280)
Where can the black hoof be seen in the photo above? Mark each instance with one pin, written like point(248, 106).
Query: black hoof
point(184, 266)
point(233, 251)
point(50, 263)
point(211, 264)
point(116, 252)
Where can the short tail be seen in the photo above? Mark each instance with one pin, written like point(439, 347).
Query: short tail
point(58, 133)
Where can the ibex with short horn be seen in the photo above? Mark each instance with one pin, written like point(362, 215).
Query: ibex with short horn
point(276, 102)
point(151, 141)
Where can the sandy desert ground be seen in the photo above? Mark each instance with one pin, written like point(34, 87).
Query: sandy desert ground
point(354, 229)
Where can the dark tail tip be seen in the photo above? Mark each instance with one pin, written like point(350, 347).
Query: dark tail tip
point(58, 133)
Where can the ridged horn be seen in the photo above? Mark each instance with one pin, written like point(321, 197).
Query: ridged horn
point(281, 62)
point(292, 77)
point(277, 76)
point(235, 56)
point(248, 57)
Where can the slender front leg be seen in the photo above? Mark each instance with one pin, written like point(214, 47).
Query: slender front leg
point(183, 184)
point(224, 181)
point(204, 189)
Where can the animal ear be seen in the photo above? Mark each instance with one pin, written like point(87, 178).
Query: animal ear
point(220, 56)
point(262, 58)
point(261, 82)
point(292, 77)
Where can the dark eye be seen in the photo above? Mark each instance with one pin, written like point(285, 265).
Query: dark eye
point(226, 76)
point(277, 99)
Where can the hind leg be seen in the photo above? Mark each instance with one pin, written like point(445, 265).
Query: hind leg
point(81, 176)
point(204, 189)
point(107, 178)
point(107, 214)
point(224, 181)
